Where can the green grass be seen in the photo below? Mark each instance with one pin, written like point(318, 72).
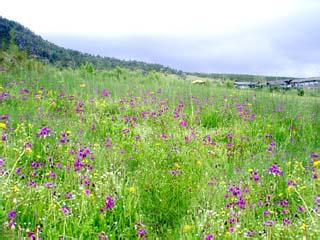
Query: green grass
point(173, 181)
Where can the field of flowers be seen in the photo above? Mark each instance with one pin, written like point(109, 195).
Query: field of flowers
point(126, 155)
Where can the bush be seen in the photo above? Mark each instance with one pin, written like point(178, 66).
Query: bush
point(229, 84)
point(300, 92)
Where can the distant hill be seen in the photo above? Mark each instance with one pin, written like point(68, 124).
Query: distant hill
point(36, 46)
point(238, 77)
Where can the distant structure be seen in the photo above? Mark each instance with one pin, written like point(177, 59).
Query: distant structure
point(199, 82)
point(284, 83)
point(306, 82)
point(245, 84)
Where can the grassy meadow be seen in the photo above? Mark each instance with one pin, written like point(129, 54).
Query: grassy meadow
point(120, 154)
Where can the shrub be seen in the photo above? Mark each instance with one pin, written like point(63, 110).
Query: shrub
point(300, 92)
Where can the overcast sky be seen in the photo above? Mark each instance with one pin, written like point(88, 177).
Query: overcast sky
point(275, 37)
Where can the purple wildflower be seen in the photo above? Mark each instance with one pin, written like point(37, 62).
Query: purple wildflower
point(125, 131)
point(175, 172)
point(105, 93)
point(65, 210)
point(137, 138)
point(249, 233)
point(12, 214)
point(4, 137)
point(64, 138)
point(314, 155)
point(291, 183)
point(80, 107)
point(108, 143)
point(268, 198)
point(24, 91)
point(18, 171)
point(300, 209)
point(1, 162)
point(32, 235)
point(208, 140)
point(255, 176)
point(44, 131)
point(283, 203)
point(68, 195)
point(209, 237)
point(275, 169)
point(241, 202)
point(317, 200)
point(286, 221)
point(141, 232)
point(236, 191)
point(271, 146)
point(269, 223)
point(32, 184)
point(28, 145)
point(164, 136)
point(4, 117)
point(183, 123)
point(49, 185)
point(109, 203)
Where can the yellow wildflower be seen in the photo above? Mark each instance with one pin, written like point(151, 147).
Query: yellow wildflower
point(187, 228)
point(177, 165)
point(97, 145)
point(82, 85)
point(199, 163)
point(303, 187)
point(28, 150)
point(15, 188)
point(316, 163)
point(3, 126)
point(303, 226)
point(132, 190)
point(290, 188)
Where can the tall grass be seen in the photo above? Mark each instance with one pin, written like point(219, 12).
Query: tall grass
point(129, 155)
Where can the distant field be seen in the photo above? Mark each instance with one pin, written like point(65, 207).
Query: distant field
point(126, 155)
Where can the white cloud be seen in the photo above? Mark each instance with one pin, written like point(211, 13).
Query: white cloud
point(276, 37)
point(127, 17)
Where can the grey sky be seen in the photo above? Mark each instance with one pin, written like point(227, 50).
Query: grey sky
point(250, 36)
